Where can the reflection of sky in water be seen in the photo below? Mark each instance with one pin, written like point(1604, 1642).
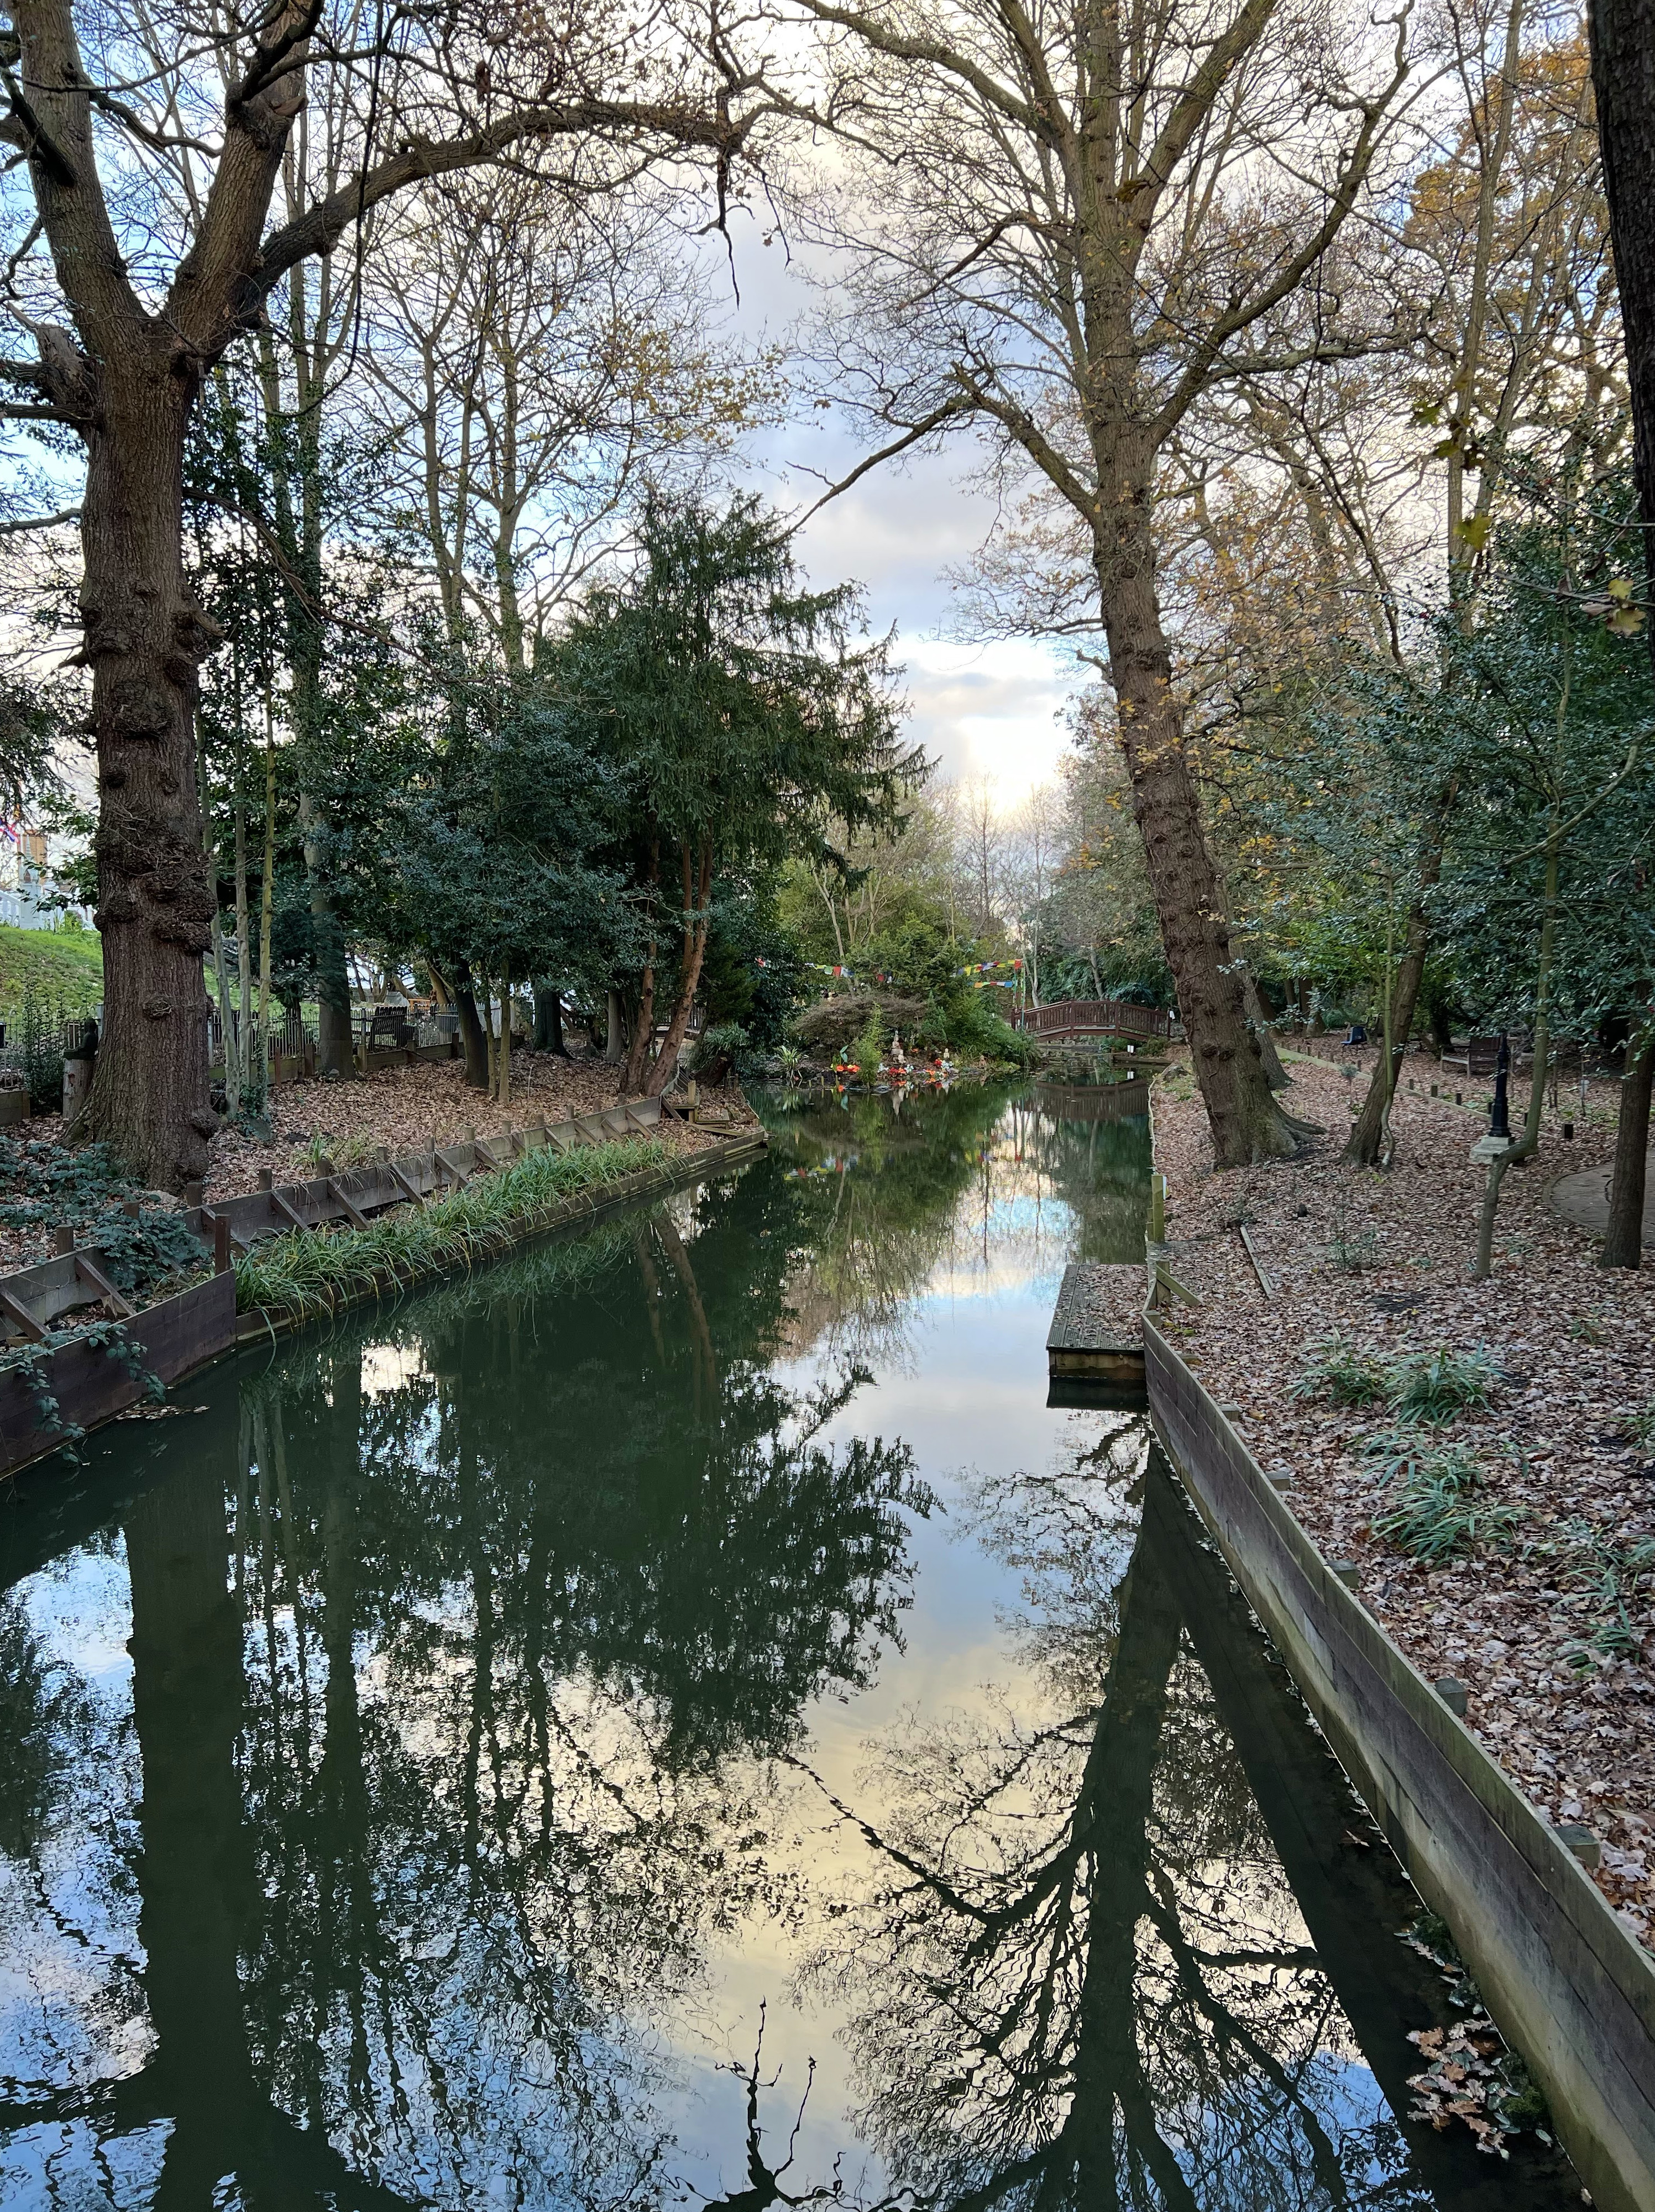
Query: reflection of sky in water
point(958, 1363)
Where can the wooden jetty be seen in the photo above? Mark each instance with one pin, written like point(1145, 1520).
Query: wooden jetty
point(1094, 1348)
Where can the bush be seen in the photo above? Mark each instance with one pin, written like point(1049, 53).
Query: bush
point(868, 1049)
point(1348, 1376)
point(1434, 1386)
point(721, 1048)
point(978, 1030)
point(1428, 1387)
point(44, 1186)
point(834, 1023)
point(1439, 1512)
point(41, 1050)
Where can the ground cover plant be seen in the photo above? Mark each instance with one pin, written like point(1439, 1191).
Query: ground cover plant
point(316, 1271)
point(147, 1245)
point(1439, 1507)
point(1430, 1386)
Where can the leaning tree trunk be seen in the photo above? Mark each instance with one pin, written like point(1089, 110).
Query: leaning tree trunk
point(473, 1043)
point(145, 639)
point(1623, 1237)
point(1246, 1122)
point(697, 889)
point(1366, 1138)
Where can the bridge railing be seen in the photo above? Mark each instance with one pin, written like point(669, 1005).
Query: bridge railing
point(1093, 1018)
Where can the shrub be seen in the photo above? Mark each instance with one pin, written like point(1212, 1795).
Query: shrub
point(1638, 1428)
point(1427, 1387)
point(1440, 1512)
point(1434, 1386)
point(1348, 1376)
point(834, 1023)
point(868, 1048)
point(42, 1046)
point(719, 1048)
point(45, 1187)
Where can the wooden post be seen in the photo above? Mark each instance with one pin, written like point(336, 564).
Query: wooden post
point(265, 1179)
point(1158, 1209)
point(63, 1237)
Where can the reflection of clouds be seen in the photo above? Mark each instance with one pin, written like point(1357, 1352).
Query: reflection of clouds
point(388, 1367)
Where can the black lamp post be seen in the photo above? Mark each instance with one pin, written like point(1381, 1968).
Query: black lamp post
point(1498, 1125)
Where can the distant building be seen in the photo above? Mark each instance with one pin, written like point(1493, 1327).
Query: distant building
point(29, 859)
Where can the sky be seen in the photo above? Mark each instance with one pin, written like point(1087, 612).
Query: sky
point(989, 709)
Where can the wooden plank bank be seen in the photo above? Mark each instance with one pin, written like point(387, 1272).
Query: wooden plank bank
point(1565, 1982)
point(82, 1385)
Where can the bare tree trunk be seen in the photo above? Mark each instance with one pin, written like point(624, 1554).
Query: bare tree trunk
point(1246, 1122)
point(334, 1055)
point(503, 1097)
point(549, 1022)
point(470, 1027)
point(1624, 79)
point(267, 887)
point(1368, 1134)
point(144, 638)
point(1623, 1236)
point(697, 889)
point(643, 1027)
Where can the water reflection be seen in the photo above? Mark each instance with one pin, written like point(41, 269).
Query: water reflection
point(583, 1740)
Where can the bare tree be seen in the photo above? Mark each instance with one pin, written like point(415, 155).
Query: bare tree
point(532, 362)
point(1079, 223)
point(1038, 847)
point(151, 164)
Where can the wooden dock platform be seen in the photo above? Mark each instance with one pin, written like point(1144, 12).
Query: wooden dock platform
point(1094, 1347)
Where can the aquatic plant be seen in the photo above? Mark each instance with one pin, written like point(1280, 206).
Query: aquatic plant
point(315, 1271)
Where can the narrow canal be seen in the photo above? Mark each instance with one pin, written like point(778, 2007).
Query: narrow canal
point(677, 1720)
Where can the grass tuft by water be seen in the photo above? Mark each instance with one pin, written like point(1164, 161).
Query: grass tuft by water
point(315, 1272)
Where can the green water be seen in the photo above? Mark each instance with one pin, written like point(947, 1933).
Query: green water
point(677, 1720)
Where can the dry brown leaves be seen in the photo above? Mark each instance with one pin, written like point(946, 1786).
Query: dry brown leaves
point(1383, 1261)
point(406, 1109)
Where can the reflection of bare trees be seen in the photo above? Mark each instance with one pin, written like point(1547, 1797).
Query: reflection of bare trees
point(1076, 1974)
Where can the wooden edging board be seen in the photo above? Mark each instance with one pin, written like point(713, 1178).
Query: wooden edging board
point(92, 1385)
point(1566, 1982)
point(576, 1212)
point(179, 1334)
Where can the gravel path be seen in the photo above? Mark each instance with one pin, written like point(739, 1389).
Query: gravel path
point(1551, 1628)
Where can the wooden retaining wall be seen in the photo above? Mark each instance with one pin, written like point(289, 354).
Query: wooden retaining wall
point(1566, 1982)
point(92, 1386)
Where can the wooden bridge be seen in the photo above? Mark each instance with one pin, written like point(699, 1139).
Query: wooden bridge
point(1069, 1019)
